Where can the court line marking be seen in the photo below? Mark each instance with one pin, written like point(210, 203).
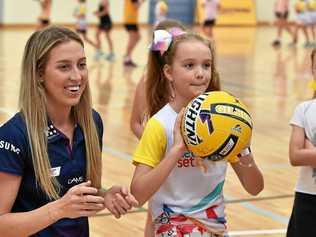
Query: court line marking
point(7, 111)
point(257, 232)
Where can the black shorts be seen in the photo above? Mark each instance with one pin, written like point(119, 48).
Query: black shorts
point(81, 31)
point(105, 23)
point(302, 220)
point(282, 15)
point(209, 22)
point(44, 22)
point(131, 27)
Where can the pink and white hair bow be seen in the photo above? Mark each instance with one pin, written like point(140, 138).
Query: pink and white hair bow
point(163, 39)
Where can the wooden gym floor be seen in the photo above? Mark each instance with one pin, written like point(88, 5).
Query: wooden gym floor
point(270, 81)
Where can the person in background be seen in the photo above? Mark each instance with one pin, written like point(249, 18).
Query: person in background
point(211, 8)
point(44, 17)
point(131, 9)
point(82, 24)
point(302, 152)
point(281, 12)
point(105, 25)
point(161, 10)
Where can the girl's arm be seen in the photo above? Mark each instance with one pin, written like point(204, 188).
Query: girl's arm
point(249, 174)
point(301, 151)
point(80, 200)
point(147, 180)
point(139, 106)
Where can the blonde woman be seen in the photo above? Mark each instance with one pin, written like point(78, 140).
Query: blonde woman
point(50, 152)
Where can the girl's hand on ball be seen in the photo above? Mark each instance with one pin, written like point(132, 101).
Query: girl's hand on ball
point(178, 142)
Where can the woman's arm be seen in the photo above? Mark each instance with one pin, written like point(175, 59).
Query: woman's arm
point(249, 174)
point(80, 200)
point(18, 224)
point(300, 153)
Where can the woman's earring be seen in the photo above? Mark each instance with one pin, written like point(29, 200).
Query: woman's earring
point(40, 81)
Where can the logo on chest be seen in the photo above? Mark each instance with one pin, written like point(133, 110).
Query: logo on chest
point(75, 180)
point(186, 161)
point(9, 147)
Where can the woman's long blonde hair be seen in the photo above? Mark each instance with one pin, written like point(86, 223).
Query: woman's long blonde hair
point(32, 102)
point(157, 86)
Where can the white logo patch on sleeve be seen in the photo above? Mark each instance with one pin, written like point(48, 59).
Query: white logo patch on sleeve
point(54, 172)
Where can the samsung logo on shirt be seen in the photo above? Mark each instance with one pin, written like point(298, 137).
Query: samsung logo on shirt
point(9, 147)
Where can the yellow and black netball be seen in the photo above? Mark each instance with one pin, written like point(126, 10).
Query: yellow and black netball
point(216, 125)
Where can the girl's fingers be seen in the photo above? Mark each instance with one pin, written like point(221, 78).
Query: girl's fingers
point(121, 210)
point(114, 211)
point(131, 200)
point(124, 190)
point(122, 202)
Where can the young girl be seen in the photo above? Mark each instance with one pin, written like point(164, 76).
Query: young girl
point(138, 116)
point(183, 199)
point(82, 24)
point(211, 8)
point(50, 151)
point(105, 25)
point(281, 11)
point(302, 152)
point(131, 10)
point(302, 22)
point(44, 17)
point(161, 10)
point(311, 6)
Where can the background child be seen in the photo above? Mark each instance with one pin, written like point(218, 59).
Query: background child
point(311, 6)
point(161, 10)
point(44, 17)
point(302, 152)
point(281, 11)
point(105, 25)
point(181, 66)
point(302, 22)
point(211, 7)
point(139, 108)
point(131, 8)
point(82, 24)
